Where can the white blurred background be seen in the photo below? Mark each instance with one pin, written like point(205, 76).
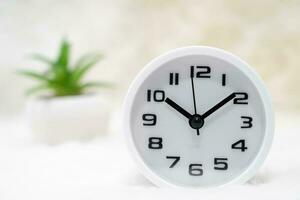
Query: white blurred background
point(130, 33)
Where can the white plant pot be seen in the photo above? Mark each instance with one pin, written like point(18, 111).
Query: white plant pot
point(60, 119)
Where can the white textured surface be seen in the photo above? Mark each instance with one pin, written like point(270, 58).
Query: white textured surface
point(102, 169)
point(131, 32)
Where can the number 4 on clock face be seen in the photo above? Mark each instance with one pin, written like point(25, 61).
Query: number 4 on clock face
point(241, 145)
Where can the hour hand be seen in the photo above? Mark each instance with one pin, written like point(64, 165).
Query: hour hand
point(178, 108)
point(219, 105)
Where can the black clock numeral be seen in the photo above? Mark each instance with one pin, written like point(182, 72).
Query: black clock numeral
point(241, 98)
point(239, 145)
point(157, 95)
point(192, 72)
point(195, 170)
point(155, 143)
point(220, 163)
point(149, 119)
point(202, 72)
point(223, 79)
point(247, 121)
point(174, 78)
point(175, 158)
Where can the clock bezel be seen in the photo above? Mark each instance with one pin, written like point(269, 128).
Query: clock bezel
point(209, 51)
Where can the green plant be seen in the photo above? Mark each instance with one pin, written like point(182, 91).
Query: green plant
point(62, 79)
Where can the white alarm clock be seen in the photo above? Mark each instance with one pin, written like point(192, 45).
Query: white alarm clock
point(198, 117)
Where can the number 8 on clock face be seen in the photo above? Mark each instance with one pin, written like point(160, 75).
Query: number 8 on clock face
point(198, 117)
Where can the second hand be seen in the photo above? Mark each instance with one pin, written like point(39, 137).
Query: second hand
point(193, 90)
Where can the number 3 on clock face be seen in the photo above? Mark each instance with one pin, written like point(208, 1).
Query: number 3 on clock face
point(198, 117)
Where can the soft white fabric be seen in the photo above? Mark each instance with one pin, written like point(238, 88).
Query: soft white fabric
point(103, 169)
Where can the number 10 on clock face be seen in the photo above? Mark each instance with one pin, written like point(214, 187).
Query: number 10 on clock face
point(198, 117)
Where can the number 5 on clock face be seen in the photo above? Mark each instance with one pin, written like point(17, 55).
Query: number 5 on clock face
point(198, 117)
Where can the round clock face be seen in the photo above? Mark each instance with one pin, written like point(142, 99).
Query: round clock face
point(198, 117)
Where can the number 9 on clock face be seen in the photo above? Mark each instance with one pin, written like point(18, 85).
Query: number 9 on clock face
point(198, 117)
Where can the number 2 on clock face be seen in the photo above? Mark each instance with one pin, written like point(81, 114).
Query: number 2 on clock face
point(197, 120)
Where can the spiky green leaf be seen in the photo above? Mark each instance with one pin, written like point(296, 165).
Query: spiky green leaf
point(42, 58)
point(83, 65)
point(34, 75)
point(64, 54)
point(96, 84)
point(37, 89)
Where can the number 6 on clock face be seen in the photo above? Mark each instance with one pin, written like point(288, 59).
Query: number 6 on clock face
point(198, 117)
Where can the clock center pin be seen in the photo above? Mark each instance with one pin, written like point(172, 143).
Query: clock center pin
point(196, 121)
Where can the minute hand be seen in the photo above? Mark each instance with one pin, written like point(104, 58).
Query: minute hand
point(219, 105)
